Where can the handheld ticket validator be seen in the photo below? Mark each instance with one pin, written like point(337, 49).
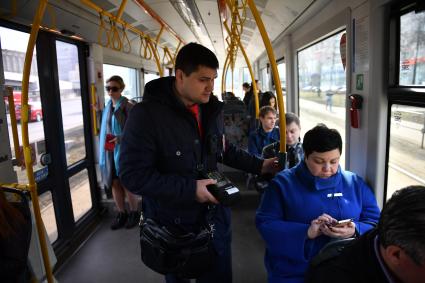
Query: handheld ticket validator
point(224, 191)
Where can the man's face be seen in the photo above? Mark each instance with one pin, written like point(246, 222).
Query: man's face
point(268, 121)
point(197, 87)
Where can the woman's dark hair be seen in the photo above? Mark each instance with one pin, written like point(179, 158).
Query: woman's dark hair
point(292, 118)
point(321, 139)
point(402, 222)
point(118, 80)
point(10, 218)
point(193, 55)
point(265, 110)
point(265, 99)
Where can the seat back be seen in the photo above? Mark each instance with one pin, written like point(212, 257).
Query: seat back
point(330, 250)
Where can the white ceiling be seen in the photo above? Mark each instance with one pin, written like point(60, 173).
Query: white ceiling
point(76, 17)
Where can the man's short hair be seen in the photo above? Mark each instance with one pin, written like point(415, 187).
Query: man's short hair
point(402, 222)
point(193, 55)
point(246, 85)
point(266, 110)
point(292, 118)
point(321, 139)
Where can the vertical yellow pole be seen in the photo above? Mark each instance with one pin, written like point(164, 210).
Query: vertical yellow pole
point(14, 124)
point(25, 142)
point(275, 73)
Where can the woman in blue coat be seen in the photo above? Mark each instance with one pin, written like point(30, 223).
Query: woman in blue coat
point(298, 210)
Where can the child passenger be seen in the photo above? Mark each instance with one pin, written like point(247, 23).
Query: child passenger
point(266, 134)
point(294, 148)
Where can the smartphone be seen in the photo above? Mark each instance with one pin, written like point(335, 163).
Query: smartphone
point(342, 223)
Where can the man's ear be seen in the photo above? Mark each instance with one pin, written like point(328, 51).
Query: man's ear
point(179, 75)
point(393, 254)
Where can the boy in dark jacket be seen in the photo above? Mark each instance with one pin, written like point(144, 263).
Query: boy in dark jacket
point(170, 140)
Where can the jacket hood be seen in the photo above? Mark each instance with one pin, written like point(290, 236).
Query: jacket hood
point(161, 90)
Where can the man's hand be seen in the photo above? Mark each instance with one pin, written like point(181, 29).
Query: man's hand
point(202, 193)
point(270, 166)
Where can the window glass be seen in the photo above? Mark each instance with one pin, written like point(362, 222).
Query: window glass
point(14, 44)
point(71, 104)
point(129, 75)
point(80, 194)
point(321, 86)
point(406, 162)
point(412, 49)
point(281, 68)
point(264, 80)
point(48, 215)
point(233, 83)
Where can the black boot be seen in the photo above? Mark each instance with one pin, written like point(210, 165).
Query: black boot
point(133, 219)
point(120, 220)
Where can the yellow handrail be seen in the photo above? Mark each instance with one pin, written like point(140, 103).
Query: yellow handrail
point(94, 108)
point(32, 186)
point(275, 73)
point(251, 72)
point(13, 124)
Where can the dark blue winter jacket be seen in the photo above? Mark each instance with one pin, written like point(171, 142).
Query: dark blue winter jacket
point(161, 153)
point(259, 139)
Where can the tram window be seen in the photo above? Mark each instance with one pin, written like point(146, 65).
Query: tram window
point(80, 194)
point(281, 68)
point(321, 86)
point(14, 44)
point(246, 77)
point(48, 215)
point(412, 49)
point(129, 76)
point(406, 160)
point(71, 104)
point(233, 83)
point(264, 80)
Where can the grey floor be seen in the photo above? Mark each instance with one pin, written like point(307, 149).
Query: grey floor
point(114, 256)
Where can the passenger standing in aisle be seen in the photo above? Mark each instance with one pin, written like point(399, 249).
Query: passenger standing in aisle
point(171, 139)
point(114, 117)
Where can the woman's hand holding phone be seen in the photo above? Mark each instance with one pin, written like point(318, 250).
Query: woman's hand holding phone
point(340, 229)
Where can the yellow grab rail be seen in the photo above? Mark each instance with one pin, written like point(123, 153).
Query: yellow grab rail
point(251, 72)
point(14, 124)
point(94, 108)
point(32, 186)
point(275, 73)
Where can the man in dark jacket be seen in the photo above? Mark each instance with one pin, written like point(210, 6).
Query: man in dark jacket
point(393, 252)
point(170, 140)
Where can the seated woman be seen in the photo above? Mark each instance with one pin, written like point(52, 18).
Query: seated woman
point(266, 134)
point(298, 210)
point(294, 147)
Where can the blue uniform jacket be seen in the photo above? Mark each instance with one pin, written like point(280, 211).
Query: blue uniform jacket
point(293, 199)
point(259, 139)
point(162, 150)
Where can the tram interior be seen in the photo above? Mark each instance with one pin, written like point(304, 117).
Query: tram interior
point(83, 42)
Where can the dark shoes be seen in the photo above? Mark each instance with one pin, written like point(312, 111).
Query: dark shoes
point(129, 220)
point(133, 219)
point(120, 220)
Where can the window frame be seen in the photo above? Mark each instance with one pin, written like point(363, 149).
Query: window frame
point(407, 95)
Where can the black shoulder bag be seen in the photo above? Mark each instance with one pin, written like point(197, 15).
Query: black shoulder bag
point(187, 256)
